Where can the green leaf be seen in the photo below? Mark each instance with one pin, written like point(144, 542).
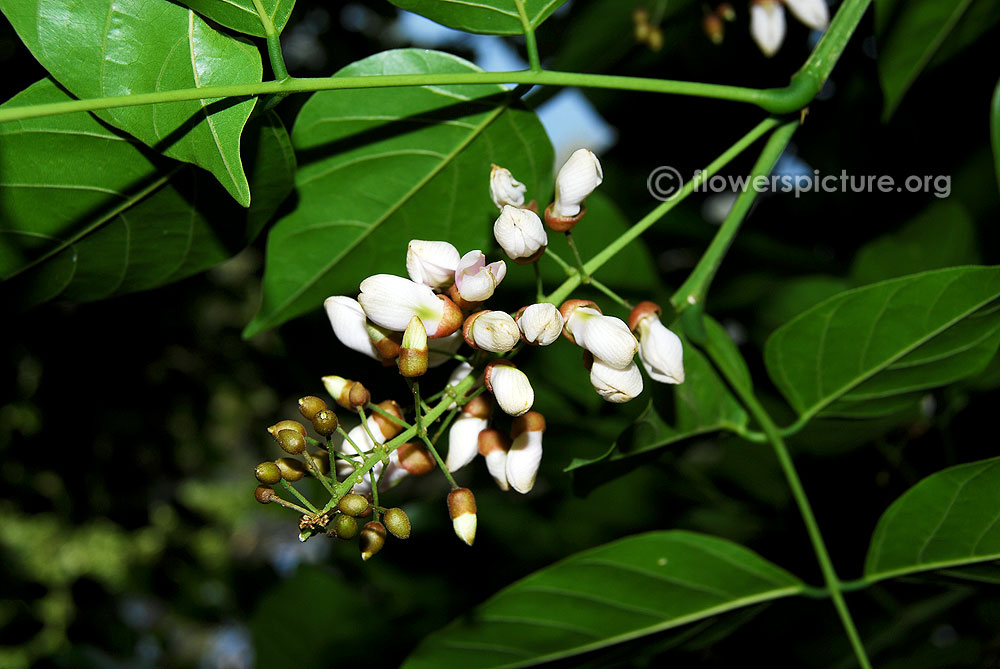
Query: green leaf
point(995, 129)
point(94, 213)
point(496, 17)
point(620, 591)
point(943, 235)
point(380, 167)
point(241, 15)
point(911, 33)
point(888, 338)
point(950, 518)
point(702, 404)
point(119, 47)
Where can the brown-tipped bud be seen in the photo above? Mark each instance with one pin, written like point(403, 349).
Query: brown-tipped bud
point(726, 12)
point(267, 473)
point(386, 342)
point(388, 427)
point(415, 458)
point(347, 393)
point(321, 460)
point(345, 527)
point(287, 425)
point(292, 470)
point(462, 509)
point(291, 441)
point(510, 387)
point(372, 539)
point(467, 328)
point(493, 445)
point(529, 422)
point(479, 406)
point(310, 405)
point(714, 29)
point(567, 308)
point(558, 223)
point(325, 422)
point(397, 522)
point(451, 317)
point(494, 440)
point(264, 494)
point(412, 361)
point(353, 505)
point(640, 311)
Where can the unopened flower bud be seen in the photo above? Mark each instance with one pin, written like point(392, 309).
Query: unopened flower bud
point(612, 384)
point(540, 324)
point(412, 361)
point(475, 281)
point(505, 189)
point(264, 494)
point(655, 38)
point(493, 331)
point(493, 445)
point(462, 509)
point(767, 25)
point(291, 441)
point(714, 29)
point(525, 454)
point(267, 473)
point(387, 427)
point(660, 350)
point(385, 341)
point(292, 470)
point(510, 387)
point(286, 425)
point(372, 539)
point(577, 179)
point(397, 522)
point(607, 337)
point(813, 13)
point(353, 505)
point(415, 459)
point(348, 394)
point(463, 435)
point(349, 324)
point(726, 12)
point(309, 405)
point(431, 263)
point(345, 527)
point(520, 233)
point(325, 422)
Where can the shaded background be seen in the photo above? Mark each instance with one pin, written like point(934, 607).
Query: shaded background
point(129, 428)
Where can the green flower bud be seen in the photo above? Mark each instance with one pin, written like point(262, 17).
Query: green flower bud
point(287, 425)
point(264, 494)
point(292, 470)
point(310, 405)
point(397, 522)
point(345, 526)
point(353, 505)
point(267, 473)
point(325, 422)
point(291, 441)
point(372, 539)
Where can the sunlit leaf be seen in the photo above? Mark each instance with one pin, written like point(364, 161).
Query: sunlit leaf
point(242, 15)
point(498, 17)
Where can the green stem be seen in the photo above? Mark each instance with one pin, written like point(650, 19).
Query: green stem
point(566, 267)
point(695, 288)
point(539, 288)
point(531, 44)
point(441, 464)
point(290, 488)
point(273, 43)
point(609, 252)
point(773, 434)
point(580, 267)
point(382, 412)
point(622, 302)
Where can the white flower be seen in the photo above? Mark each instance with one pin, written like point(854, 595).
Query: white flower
point(463, 435)
point(767, 25)
point(525, 452)
point(813, 13)
point(431, 263)
point(520, 233)
point(510, 388)
point(505, 189)
point(607, 337)
point(577, 179)
point(540, 323)
point(391, 301)
point(350, 324)
point(493, 331)
point(661, 351)
point(474, 279)
point(616, 385)
point(493, 445)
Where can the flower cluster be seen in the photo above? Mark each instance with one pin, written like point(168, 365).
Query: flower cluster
point(422, 320)
point(767, 20)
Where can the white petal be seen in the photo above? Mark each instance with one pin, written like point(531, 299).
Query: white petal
point(512, 390)
point(519, 232)
point(505, 189)
point(348, 321)
point(465, 527)
point(393, 474)
point(431, 263)
point(767, 25)
point(478, 287)
point(607, 337)
point(616, 385)
point(541, 323)
point(576, 180)
point(391, 301)
point(661, 351)
point(463, 441)
point(496, 463)
point(813, 13)
point(495, 331)
point(523, 459)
